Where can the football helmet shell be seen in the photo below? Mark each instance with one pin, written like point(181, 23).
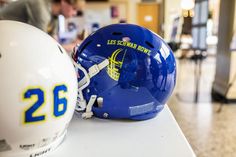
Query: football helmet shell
point(37, 94)
point(140, 75)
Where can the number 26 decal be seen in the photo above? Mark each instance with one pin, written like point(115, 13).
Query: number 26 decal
point(37, 95)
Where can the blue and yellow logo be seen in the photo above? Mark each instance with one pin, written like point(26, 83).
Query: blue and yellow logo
point(115, 63)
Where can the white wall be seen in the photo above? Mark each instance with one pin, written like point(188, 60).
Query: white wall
point(172, 9)
point(101, 12)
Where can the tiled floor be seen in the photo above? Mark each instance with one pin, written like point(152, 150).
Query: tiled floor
point(210, 129)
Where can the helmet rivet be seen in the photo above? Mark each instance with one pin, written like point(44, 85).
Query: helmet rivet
point(105, 115)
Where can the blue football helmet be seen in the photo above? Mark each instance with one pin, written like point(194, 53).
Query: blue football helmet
point(125, 72)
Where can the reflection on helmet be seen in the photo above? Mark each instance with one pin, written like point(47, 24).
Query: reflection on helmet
point(129, 68)
point(37, 94)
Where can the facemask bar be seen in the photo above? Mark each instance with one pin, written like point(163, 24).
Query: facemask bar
point(82, 105)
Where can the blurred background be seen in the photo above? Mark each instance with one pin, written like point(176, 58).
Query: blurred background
point(202, 34)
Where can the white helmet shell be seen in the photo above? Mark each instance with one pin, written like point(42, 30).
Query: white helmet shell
point(38, 91)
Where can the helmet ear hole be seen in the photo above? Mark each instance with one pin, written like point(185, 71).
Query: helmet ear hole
point(0, 55)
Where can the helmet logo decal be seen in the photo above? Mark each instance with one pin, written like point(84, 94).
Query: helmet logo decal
point(117, 58)
point(115, 63)
point(129, 44)
point(4, 146)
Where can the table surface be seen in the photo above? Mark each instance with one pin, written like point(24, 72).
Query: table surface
point(157, 137)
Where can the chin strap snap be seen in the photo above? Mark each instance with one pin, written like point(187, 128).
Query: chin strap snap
point(82, 105)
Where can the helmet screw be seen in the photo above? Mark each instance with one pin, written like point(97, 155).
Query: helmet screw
point(105, 115)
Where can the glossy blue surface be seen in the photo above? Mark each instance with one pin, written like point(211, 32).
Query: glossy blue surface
point(140, 76)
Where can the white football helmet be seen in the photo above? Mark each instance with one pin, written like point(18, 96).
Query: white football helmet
point(37, 91)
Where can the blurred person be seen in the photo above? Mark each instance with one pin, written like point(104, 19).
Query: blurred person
point(2, 3)
point(42, 13)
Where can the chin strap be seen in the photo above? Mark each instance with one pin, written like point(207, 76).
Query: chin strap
point(88, 112)
point(82, 105)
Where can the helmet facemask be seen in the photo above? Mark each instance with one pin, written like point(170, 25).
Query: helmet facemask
point(82, 105)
